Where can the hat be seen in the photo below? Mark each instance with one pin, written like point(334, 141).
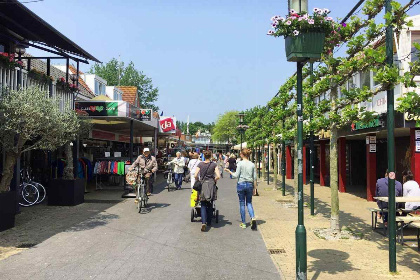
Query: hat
point(146, 150)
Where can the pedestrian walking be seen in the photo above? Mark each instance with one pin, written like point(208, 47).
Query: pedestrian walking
point(208, 173)
point(192, 166)
point(221, 163)
point(246, 187)
point(179, 164)
point(232, 164)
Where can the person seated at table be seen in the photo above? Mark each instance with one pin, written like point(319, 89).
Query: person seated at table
point(382, 190)
point(410, 188)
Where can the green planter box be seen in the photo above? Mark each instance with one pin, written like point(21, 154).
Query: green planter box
point(305, 47)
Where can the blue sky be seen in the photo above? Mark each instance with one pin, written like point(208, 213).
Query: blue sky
point(206, 57)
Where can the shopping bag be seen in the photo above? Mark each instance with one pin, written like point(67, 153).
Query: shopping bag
point(194, 195)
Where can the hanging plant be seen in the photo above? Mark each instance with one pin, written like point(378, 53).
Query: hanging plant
point(305, 34)
point(8, 60)
point(42, 77)
point(67, 86)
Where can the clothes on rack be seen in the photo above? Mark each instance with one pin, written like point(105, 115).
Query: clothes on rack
point(109, 167)
point(84, 166)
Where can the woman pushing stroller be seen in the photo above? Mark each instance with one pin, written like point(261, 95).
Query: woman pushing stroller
point(208, 174)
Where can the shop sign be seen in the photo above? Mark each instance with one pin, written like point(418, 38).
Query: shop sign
point(359, 125)
point(144, 115)
point(103, 135)
point(412, 120)
point(324, 134)
point(417, 134)
point(99, 108)
point(372, 148)
point(417, 146)
point(167, 124)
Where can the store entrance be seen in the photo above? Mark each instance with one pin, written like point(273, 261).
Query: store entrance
point(356, 167)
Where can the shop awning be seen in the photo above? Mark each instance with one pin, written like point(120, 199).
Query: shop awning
point(238, 147)
point(24, 25)
point(116, 116)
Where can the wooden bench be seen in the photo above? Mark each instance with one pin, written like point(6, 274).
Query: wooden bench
point(405, 221)
point(374, 212)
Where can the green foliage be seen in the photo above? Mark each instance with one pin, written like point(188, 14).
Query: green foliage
point(116, 74)
point(225, 128)
point(31, 120)
point(194, 127)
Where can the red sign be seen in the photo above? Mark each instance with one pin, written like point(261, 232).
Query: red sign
point(167, 124)
point(97, 134)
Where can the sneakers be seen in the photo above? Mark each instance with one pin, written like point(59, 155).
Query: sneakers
point(242, 225)
point(254, 224)
point(203, 227)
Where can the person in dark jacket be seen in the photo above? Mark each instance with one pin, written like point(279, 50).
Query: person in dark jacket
point(382, 190)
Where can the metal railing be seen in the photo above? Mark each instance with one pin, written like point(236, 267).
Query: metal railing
point(9, 80)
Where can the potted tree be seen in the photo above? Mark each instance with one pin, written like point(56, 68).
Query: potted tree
point(304, 34)
point(29, 120)
point(68, 190)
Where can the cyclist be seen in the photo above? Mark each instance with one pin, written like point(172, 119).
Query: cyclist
point(147, 162)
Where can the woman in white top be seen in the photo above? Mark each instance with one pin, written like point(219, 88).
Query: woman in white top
point(410, 188)
point(179, 164)
point(192, 166)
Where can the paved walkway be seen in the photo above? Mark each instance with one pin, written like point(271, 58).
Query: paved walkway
point(160, 243)
point(341, 259)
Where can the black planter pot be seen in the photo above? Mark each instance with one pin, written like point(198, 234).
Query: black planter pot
point(7, 210)
point(63, 192)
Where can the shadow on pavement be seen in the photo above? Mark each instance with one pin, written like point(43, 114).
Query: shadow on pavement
point(96, 221)
point(329, 261)
point(151, 206)
point(222, 222)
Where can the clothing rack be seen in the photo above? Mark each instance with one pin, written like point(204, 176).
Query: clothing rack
point(110, 180)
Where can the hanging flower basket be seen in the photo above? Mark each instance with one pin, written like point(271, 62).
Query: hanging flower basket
point(305, 46)
point(305, 34)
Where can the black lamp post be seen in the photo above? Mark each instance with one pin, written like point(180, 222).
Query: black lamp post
point(241, 127)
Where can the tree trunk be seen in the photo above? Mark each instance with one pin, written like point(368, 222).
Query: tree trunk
point(335, 206)
point(295, 172)
point(8, 171)
point(68, 170)
point(276, 166)
point(263, 163)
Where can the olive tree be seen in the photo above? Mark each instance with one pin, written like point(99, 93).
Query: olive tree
point(31, 120)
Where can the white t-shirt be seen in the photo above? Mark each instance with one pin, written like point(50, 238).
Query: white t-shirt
point(192, 165)
point(411, 188)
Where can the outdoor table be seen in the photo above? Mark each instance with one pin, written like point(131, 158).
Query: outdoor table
point(403, 220)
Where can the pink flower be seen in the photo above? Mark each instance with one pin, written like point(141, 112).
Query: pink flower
point(288, 22)
point(281, 19)
point(329, 19)
point(270, 32)
point(20, 63)
point(326, 11)
point(300, 19)
point(316, 10)
point(292, 17)
point(295, 32)
point(292, 11)
point(311, 21)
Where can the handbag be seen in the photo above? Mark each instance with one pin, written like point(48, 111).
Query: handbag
point(198, 184)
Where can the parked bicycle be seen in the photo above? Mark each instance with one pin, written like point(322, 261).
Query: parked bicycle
point(31, 192)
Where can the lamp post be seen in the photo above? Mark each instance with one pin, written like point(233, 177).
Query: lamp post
point(300, 234)
point(391, 148)
point(241, 127)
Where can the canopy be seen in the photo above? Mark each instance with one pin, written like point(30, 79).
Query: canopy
point(25, 25)
point(238, 147)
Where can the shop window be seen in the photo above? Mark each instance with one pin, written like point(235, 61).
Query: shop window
point(375, 83)
point(2, 48)
point(415, 38)
point(365, 79)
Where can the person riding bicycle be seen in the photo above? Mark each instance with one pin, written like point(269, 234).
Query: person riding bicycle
point(147, 162)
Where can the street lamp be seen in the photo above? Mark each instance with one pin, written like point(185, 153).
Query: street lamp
point(241, 127)
point(298, 5)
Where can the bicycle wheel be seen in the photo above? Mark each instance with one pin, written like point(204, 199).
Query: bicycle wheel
point(41, 190)
point(139, 196)
point(29, 195)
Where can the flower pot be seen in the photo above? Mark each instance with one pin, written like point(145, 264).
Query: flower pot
point(63, 192)
point(305, 47)
point(7, 210)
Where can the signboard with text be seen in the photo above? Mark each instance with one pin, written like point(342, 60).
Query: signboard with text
point(167, 124)
point(99, 108)
point(140, 114)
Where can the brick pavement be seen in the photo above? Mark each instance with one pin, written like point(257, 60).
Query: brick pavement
point(343, 259)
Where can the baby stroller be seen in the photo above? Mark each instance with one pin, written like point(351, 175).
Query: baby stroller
point(196, 207)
